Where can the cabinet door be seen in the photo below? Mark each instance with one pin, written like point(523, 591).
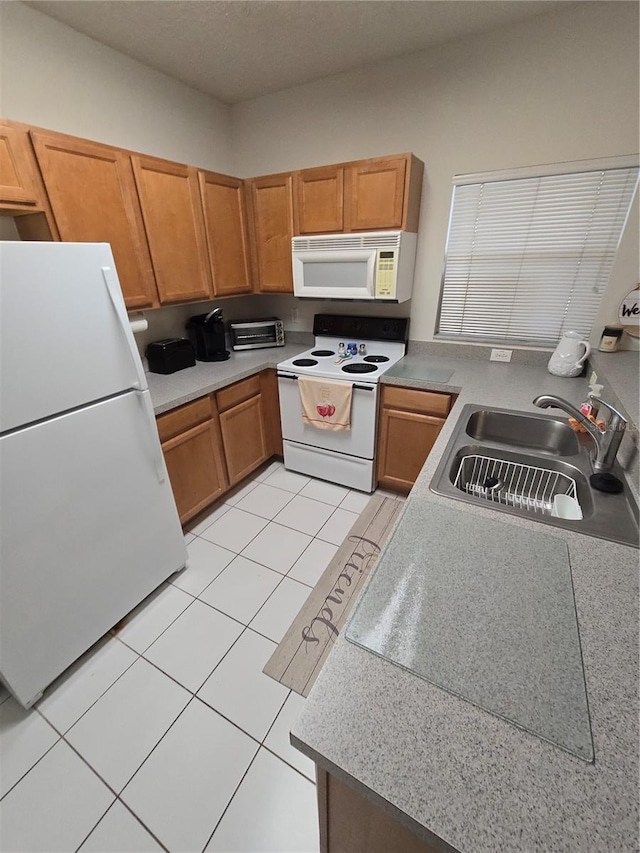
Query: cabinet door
point(226, 231)
point(319, 200)
point(271, 409)
point(172, 213)
point(272, 226)
point(93, 198)
point(196, 470)
point(403, 446)
point(375, 194)
point(351, 823)
point(244, 438)
point(16, 177)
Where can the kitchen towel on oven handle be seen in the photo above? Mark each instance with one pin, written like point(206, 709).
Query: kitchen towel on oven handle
point(325, 404)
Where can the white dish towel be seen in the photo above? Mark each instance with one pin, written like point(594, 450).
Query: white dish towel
point(325, 404)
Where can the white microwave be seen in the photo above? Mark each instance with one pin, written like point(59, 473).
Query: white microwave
point(377, 265)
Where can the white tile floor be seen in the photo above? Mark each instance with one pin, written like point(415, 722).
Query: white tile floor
point(167, 735)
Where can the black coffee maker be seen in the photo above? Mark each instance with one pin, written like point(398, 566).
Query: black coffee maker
point(206, 333)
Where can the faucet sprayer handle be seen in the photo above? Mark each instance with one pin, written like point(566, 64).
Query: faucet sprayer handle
point(618, 417)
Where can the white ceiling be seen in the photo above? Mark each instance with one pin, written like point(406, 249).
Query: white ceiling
point(239, 49)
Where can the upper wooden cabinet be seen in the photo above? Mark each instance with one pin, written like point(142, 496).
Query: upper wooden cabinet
point(225, 219)
point(181, 234)
point(93, 198)
point(375, 194)
point(172, 212)
point(272, 229)
point(365, 195)
point(17, 186)
point(319, 200)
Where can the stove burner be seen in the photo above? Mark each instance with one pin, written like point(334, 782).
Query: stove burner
point(359, 367)
point(323, 352)
point(376, 358)
point(305, 362)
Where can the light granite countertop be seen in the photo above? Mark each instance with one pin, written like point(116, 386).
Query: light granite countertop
point(186, 385)
point(461, 777)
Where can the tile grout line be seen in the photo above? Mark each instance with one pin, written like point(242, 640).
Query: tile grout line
point(294, 494)
point(61, 734)
point(226, 808)
point(135, 816)
point(103, 815)
point(274, 754)
point(164, 630)
point(26, 773)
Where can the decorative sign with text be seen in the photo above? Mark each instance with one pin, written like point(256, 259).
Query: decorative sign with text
point(305, 647)
point(629, 312)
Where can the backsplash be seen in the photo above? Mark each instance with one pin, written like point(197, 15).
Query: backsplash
point(170, 322)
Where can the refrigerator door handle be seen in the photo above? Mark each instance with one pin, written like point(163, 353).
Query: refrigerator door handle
point(113, 288)
point(150, 420)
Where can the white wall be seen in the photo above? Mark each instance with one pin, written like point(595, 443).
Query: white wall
point(57, 78)
point(562, 86)
point(54, 77)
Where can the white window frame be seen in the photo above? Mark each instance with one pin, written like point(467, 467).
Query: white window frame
point(586, 308)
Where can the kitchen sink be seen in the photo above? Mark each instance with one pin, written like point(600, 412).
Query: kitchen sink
point(518, 463)
point(546, 435)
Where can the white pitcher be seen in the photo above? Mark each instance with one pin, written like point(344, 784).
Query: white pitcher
point(569, 356)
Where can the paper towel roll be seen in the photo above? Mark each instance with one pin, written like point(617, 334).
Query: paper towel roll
point(138, 323)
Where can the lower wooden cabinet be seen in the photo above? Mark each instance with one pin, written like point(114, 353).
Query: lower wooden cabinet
point(271, 411)
point(214, 442)
point(244, 439)
point(192, 448)
point(349, 823)
point(242, 424)
point(410, 421)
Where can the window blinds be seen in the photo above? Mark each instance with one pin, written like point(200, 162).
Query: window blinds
point(528, 259)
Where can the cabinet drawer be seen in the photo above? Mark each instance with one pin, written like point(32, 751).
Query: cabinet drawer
point(234, 394)
point(179, 420)
point(428, 402)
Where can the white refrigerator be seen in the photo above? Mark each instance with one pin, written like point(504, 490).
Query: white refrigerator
point(88, 523)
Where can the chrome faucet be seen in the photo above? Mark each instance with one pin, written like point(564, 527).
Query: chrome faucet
point(607, 440)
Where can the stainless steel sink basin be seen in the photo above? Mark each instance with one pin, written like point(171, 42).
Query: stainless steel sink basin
point(517, 480)
point(517, 463)
point(547, 435)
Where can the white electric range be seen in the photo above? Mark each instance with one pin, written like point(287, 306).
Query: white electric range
point(346, 457)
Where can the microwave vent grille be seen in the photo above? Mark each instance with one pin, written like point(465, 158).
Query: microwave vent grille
point(340, 242)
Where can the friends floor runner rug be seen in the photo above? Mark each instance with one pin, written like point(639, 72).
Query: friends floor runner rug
point(304, 648)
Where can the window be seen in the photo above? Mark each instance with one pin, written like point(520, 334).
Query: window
point(528, 257)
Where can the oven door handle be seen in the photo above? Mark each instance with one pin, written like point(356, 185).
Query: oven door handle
point(355, 386)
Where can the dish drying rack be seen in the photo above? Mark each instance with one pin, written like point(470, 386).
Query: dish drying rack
point(512, 483)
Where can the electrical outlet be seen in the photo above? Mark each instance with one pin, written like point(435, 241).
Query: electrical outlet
point(295, 314)
point(501, 355)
